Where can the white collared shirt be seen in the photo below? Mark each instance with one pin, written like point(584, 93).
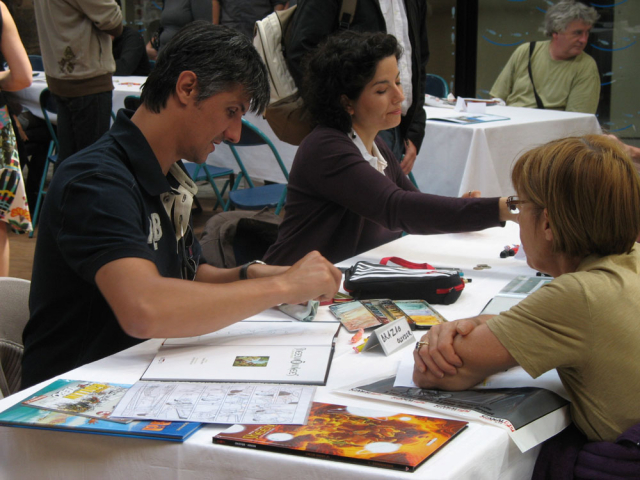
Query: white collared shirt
point(395, 17)
point(376, 160)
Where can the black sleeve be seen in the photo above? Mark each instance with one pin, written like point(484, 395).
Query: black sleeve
point(416, 128)
point(314, 20)
point(128, 49)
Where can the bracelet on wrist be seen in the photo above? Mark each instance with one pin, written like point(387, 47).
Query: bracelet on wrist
point(245, 268)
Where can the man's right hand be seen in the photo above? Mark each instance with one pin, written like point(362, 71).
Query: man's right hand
point(312, 277)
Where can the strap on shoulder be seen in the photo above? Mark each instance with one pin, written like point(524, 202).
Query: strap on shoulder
point(539, 103)
point(347, 11)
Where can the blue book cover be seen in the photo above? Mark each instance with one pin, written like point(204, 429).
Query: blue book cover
point(29, 417)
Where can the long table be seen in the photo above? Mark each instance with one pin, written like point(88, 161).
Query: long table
point(453, 159)
point(480, 452)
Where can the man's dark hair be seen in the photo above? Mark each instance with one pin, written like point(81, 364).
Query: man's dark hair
point(222, 60)
point(343, 65)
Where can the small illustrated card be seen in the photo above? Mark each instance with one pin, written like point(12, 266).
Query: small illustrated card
point(366, 313)
point(391, 337)
point(354, 315)
point(421, 314)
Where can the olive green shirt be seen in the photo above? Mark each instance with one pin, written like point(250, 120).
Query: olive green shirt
point(585, 324)
point(572, 85)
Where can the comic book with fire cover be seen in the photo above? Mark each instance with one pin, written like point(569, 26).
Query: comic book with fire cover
point(352, 434)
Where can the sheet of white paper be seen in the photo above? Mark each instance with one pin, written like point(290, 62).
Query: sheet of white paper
point(461, 105)
point(476, 107)
point(404, 375)
point(226, 403)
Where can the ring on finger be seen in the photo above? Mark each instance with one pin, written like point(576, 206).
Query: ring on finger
point(419, 345)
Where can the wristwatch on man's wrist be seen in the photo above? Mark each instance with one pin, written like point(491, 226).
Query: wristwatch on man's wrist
point(244, 269)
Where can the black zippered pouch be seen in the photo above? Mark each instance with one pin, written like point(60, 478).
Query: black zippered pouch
point(366, 280)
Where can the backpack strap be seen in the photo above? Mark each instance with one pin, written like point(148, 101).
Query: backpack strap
point(346, 13)
point(532, 47)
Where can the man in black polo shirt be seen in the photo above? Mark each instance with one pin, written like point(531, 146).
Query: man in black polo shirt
point(115, 249)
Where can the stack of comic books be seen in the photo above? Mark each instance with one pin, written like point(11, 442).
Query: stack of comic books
point(80, 406)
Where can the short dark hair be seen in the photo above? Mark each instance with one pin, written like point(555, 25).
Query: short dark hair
point(221, 58)
point(343, 65)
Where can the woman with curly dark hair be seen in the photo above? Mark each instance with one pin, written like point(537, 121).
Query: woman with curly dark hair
point(346, 192)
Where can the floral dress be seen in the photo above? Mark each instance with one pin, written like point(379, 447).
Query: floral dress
point(14, 209)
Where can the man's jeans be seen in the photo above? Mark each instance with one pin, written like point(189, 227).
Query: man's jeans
point(82, 121)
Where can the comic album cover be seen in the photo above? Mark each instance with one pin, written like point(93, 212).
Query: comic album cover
point(352, 434)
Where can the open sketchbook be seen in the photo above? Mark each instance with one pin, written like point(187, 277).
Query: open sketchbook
point(514, 292)
point(356, 435)
point(261, 352)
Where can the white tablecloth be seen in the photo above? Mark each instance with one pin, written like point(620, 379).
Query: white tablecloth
point(457, 158)
point(453, 159)
point(480, 452)
point(122, 87)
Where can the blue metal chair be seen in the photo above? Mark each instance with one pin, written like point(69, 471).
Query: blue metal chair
point(47, 105)
point(208, 173)
point(436, 86)
point(256, 198)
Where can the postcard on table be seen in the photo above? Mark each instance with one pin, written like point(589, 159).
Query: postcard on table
point(260, 352)
point(354, 435)
point(420, 313)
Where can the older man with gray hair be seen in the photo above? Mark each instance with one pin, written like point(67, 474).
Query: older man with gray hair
point(554, 74)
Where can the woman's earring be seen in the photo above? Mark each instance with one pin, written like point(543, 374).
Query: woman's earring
point(353, 134)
